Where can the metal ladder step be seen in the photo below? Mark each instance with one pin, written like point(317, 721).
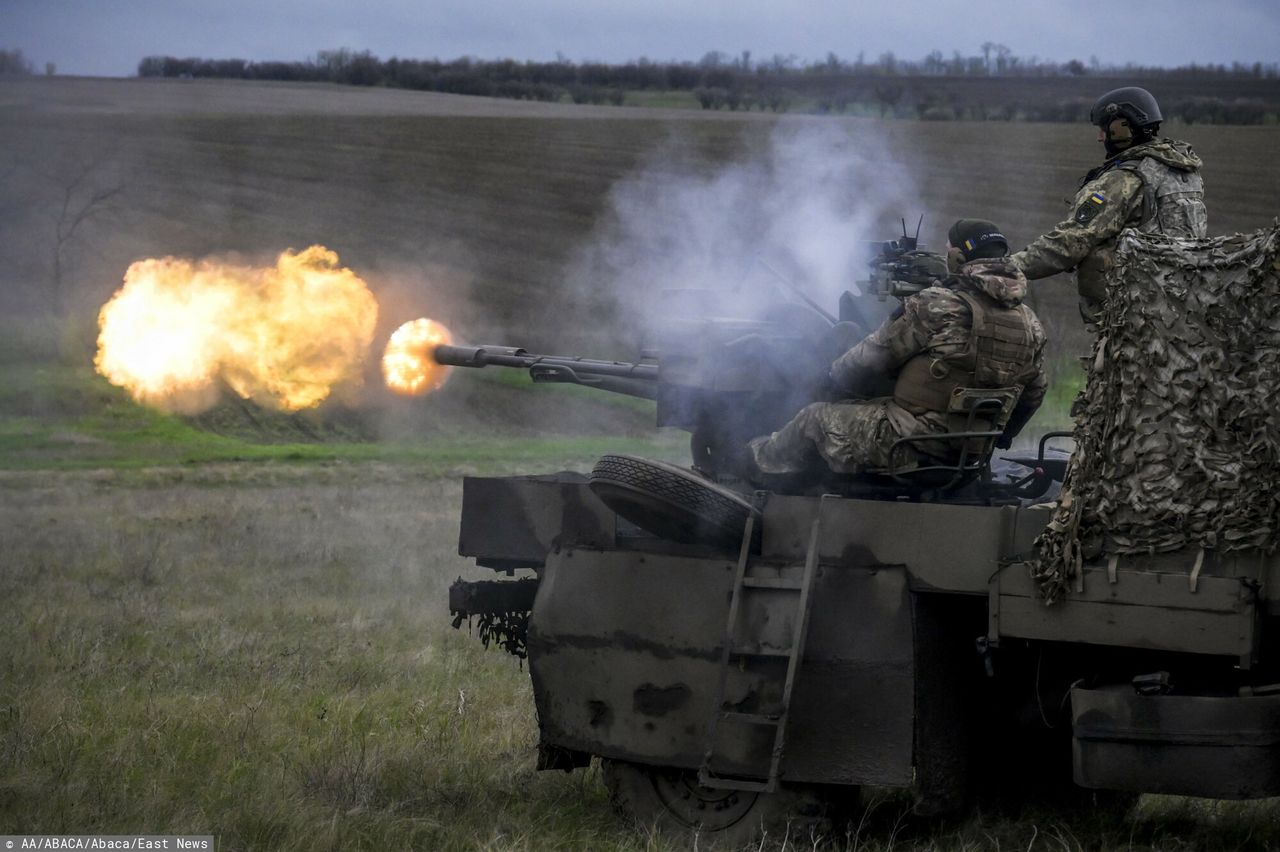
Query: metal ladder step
point(750, 718)
point(758, 651)
point(780, 584)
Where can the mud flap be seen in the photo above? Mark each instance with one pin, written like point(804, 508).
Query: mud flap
point(1222, 747)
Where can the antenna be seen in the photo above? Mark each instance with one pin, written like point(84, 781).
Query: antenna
point(910, 243)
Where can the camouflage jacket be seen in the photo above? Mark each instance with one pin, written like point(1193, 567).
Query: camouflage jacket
point(1154, 187)
point(938, 322)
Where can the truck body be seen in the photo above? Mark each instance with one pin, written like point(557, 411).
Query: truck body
point(920, 625)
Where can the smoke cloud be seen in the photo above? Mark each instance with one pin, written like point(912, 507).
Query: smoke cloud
point(798, 207)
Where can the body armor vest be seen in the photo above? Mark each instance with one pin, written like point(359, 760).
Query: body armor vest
point(1000, 353)
point(1172, 199)
point(1172, 204)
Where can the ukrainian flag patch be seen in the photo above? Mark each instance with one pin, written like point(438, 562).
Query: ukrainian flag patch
point(1090, 208)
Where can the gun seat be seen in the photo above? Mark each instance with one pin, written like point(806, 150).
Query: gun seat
point(915, 462)
point(925, 467)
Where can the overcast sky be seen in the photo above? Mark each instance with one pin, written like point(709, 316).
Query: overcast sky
point(109, 37)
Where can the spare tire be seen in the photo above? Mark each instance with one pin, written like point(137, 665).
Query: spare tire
point(672, 502)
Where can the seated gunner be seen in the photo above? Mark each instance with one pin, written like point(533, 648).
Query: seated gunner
point(969, 330)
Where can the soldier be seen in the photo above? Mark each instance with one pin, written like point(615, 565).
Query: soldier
point(969, 330)
point(1147, 182)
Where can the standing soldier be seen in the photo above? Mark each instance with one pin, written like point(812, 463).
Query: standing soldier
point(969, 330)
point(1147, 182)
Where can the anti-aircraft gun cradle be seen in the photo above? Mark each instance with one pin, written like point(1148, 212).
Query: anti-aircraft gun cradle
point(737, 657)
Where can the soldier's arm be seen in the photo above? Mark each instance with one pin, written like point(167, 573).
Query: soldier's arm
point(860, 366)
point(897, 340)
point(1103, 208)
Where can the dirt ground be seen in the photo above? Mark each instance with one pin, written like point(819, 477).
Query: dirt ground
point(476, 210)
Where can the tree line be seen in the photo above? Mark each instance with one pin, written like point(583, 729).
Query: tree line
point(13, 63)
point(924, 88)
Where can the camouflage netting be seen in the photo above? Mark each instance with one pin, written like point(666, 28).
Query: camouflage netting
point(1177, 432)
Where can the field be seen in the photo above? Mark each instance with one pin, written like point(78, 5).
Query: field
point(234, 623)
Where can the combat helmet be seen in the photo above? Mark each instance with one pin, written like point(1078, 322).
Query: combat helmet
point(977, 239)
point(1134, 104)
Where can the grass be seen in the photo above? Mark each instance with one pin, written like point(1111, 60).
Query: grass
point(164, 441)
point(672, 99)
point(56, 413)
point(1066, 380)
point(270, 661)
point(273, 664)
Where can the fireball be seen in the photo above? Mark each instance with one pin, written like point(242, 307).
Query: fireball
point(286, 336)
point(408, 364)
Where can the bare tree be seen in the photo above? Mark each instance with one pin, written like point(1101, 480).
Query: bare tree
point(79, 198)
point(1002, 58)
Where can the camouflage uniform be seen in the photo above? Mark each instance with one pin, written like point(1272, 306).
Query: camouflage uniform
point(1154, 187)
point(930, 348)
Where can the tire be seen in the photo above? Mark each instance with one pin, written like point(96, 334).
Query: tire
point(672, 803)
point(671, 502)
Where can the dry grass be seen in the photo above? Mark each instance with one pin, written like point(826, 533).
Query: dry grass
point(264, 654)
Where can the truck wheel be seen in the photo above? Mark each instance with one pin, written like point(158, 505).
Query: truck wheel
point(672, 802)
point(671, 502)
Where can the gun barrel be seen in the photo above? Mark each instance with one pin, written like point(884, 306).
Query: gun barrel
point(511, 356)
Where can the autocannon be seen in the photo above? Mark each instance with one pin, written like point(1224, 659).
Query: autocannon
point(722, 380)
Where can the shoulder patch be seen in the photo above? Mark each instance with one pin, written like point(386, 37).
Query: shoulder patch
point(1090, 208)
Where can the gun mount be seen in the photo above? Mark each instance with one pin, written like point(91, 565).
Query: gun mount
point(722, 379)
